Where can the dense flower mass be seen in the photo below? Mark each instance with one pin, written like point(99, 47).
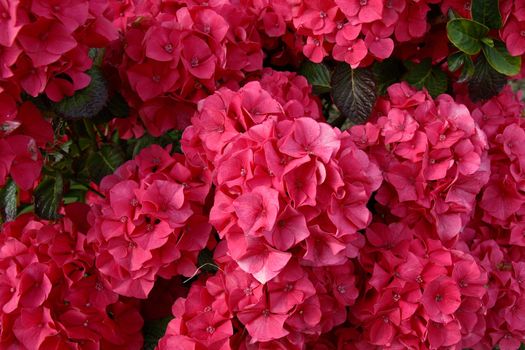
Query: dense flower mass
point(151, 223)
point(262, 174)
point(51, 294)
point(433, 156)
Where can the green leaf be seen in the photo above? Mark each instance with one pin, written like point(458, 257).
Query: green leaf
point(353, 92)
point(466, 35)
point(468, 70)
point(317, 75)
point(8, 201)
point(501, 60)
point(85, 103)
point(455, 61)
point(424, 75)
point(387, 73)
point(153, 331)
point(48, 196)
point(485, 81)
point(104, 162)
point(487, 13)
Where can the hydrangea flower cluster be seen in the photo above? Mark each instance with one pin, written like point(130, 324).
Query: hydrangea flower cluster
point(290, 311)
point(502, 201)
point(151, 223)
point(44, 45)
point(357, 31)
point(52, 295)
point(419, 294)
point(176, 55)
point(433, 157)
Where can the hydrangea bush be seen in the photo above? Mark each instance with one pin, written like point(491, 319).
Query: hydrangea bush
point(270, 174)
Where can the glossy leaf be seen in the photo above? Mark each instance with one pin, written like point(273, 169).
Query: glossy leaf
point(466, 35)
point(501, 60)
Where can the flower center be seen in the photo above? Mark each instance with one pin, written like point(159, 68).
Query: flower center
point(322, 14)
point(341, 289)
point(194, 62)
point(156, 78)
point(522, 33)
point(363, 2)
point(438, 298)
point(168, 47)
point(210, 329)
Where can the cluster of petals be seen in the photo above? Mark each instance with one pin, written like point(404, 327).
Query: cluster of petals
point(285, 187)
point(502, 201)
point(233, 310)
point(174, 55)
point(51, 294)
point(223, 116)
point(433, 157)
point(150, 223)
point(44, 44)
point(23, 133)
point(420, 295)
point(504, 302)
point(357, 31)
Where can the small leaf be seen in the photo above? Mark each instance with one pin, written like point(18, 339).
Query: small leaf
point(466, 35)
point(455, 61)
point(487, 13)
point(501, 60)
point(468, 70)
point(485, 82)
point(85, 103)
point(317, 75)
point(388, 72)
point(153, 331)
point(104, 162)
point(8, 201)
point(48, 196)
point(353, 92)
point(424, 75)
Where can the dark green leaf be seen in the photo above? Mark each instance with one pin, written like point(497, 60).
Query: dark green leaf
point(423, 75)
point(501, 60)
point(85, 103)
point(455, 61)
point(317, 75)
point(387, 73)
point(118, 106)
point(48, 196)
point(8, 201)
point(485, 82)
point(153, 331)
point(353, 92)
point(104, 162)
point(468, 70)
point(487, 13)
point(466, 35)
